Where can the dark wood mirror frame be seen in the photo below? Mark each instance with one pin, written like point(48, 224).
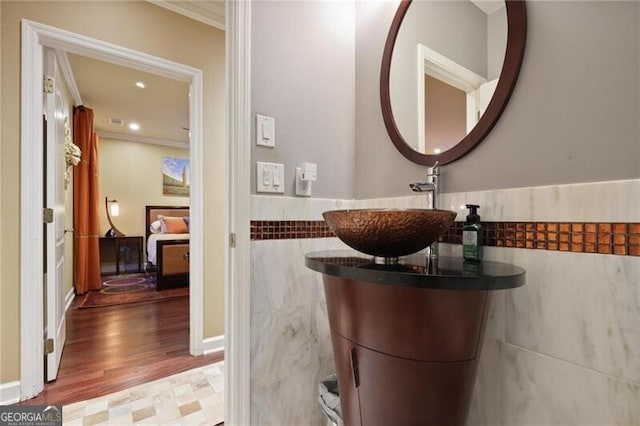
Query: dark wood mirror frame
point(516, 40)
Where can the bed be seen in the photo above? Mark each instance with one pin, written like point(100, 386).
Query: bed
point(168, 245)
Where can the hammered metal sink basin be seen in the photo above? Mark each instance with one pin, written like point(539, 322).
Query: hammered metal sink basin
point(389, 232)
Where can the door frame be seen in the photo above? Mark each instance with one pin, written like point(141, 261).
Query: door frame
point(34, 37)
point(237, 291)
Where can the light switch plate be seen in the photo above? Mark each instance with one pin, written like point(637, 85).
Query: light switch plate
point(270, 177)
point(265, 131)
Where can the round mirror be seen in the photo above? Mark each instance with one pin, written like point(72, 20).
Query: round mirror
point(448, 70)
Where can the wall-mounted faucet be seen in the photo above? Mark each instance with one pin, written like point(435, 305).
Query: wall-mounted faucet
point(431, 185)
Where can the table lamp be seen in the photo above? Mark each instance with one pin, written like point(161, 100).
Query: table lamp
point(115, 211)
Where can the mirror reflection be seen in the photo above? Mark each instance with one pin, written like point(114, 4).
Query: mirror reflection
point(446, 62)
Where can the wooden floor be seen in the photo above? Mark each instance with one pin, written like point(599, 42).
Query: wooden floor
point(117, 347)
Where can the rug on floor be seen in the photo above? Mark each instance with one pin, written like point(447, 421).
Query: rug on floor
point(194, 397)
point(123, 289)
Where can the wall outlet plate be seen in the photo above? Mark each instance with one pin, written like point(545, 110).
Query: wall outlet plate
point(303, 187)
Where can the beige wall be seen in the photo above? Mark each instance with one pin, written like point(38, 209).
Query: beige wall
point(131, 173)
point(445, 111)
point(8, 295)
point(141, 26)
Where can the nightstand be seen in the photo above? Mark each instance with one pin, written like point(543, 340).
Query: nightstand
point(120, 255)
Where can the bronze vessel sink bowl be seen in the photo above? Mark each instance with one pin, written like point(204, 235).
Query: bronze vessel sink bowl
point(389, 232)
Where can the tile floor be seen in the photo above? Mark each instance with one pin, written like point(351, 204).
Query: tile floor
point(194, 397)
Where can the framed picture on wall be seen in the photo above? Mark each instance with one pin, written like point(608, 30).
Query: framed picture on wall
point(175, 176)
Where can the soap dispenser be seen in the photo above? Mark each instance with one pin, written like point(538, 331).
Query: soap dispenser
point(471, 235)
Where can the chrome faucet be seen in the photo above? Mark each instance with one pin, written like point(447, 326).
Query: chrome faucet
point(432, 185)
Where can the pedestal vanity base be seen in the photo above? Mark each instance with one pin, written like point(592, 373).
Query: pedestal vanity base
point(407, 337)
point(404, 356)
point(397, 391)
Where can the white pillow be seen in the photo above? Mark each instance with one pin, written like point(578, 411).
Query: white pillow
point(155, 227)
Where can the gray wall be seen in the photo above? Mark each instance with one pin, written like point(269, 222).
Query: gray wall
point(573, 116)
point(496, 42)
point(302, 73)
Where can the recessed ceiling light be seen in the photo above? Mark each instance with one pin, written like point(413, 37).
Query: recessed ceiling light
point(134, 126)
point(140, 84)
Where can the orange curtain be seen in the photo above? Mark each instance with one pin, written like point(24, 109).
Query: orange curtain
point(86, 220)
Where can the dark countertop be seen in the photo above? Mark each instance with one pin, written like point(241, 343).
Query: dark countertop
point(450, 273)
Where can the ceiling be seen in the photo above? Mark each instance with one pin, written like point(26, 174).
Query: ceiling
point(161, 109)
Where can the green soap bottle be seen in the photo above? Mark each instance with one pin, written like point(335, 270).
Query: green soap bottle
point(472, 235)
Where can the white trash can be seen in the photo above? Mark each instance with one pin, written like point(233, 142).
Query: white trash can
point(329, 398)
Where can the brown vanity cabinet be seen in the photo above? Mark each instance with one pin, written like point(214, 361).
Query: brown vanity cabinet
point(407, 338)
point(398, 391)
point(413, 356)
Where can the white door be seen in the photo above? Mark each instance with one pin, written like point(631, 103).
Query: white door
point(55, 114)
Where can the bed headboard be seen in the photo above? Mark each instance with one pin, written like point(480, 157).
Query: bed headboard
point(152, 212)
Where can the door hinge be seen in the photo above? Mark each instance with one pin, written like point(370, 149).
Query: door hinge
point(353, 357)
point(48, 346)
point(48, 84)
point(47, 215)
point(232, 239)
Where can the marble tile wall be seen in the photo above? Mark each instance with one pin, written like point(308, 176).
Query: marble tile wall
point(563, 349)
point(290, 339)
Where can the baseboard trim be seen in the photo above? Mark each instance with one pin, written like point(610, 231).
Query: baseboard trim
point(9, 393)
point(211, 345)
point(69, 298)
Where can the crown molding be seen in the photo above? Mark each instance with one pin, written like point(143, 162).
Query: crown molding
point(65, 67)
point(208, 12)
point(141, 139)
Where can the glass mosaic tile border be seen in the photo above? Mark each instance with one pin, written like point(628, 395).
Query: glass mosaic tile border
point(289, 229)
point(578, 237)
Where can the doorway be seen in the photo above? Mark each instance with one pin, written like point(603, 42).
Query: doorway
point(35, 37)
point(236, 205)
